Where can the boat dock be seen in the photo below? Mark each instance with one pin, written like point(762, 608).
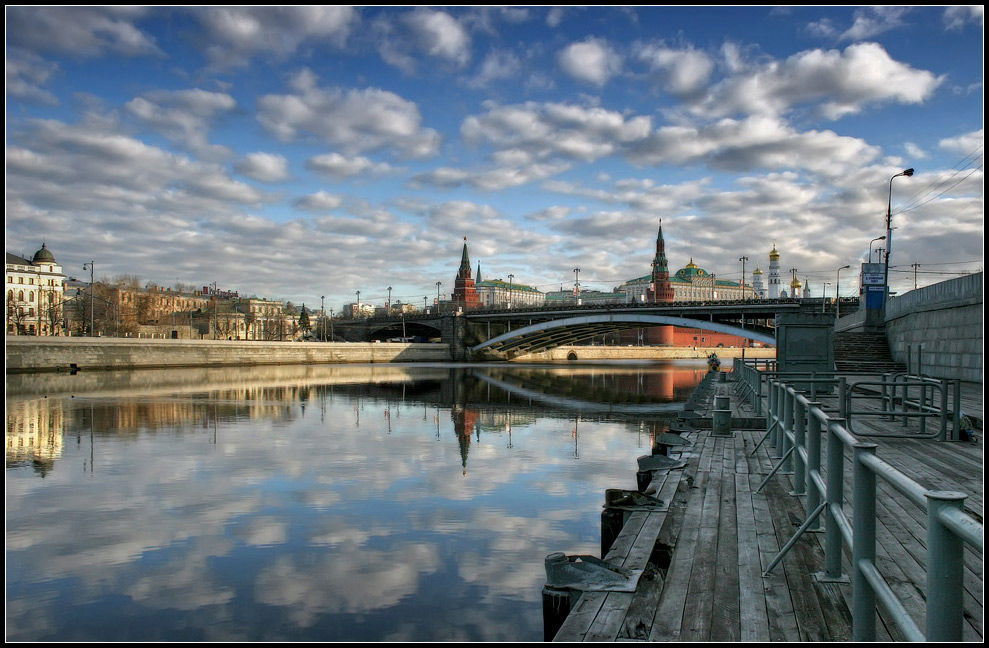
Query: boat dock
point(693, 554)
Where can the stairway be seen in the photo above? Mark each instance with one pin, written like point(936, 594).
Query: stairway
point(863, 353)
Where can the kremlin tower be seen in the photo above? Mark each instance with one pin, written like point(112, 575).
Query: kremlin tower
point(774, 274)
point(661, 291)
point(464, 294)
point(758, 290)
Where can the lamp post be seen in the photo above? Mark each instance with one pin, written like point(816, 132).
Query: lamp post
point(424, 303)
point(837, 289)
point(889, 231)
point(714, 295)
point(743, 260)
point(576, 286)
point(879, 238)
point(438, 296)
point(331, 325)
point(92, 297)
point(322, 318)
point(511, 278)
point(824, 295)
point(358, 303)
point(388, 305)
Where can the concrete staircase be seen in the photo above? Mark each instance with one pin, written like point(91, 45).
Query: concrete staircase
point(863, 352)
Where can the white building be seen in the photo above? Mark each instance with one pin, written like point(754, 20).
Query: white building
point(504, 294)
point(35, 294)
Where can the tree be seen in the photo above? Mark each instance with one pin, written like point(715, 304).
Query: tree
point(304, 324)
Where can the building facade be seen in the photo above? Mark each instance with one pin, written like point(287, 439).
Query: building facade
point(35, 294)
point(497, 293)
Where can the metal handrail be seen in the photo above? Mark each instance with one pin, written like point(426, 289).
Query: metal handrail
point(800, 423)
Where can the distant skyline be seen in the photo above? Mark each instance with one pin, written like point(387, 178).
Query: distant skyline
point(294, 152)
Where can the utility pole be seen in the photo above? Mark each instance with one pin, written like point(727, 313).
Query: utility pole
point(793, 278)
point(915, 266)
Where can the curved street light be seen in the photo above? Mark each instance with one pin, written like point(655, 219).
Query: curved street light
point(889, 231)
point(878, 238)
point(837, 289)
point(92, 297)
point(511, 279)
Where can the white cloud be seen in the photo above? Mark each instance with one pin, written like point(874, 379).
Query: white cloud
point(25, 76)
point(497, 65)
point(681, 72)
point(427, 32)
point(555, 129)
point(338, 166)
point(914, 151)
point(238, 34)
point(839, 82)
point(965, 144)
point(184, 116)
point(320, 201)
point(590, 61)
point(355, 121)
point(265, 167)
point(956, 18)
point(80, 31)
point(872, 21)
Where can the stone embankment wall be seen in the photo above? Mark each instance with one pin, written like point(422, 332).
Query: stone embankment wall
point(571, 353)
point(946, 320)
point(32, 354)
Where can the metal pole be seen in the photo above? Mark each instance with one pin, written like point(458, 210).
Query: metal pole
point(511, 279)
point(945, 568)
point(92, 297)
point(743, 260)
point(889, 232)
point(835, 496)
point(863, 543)
point(813, 438)
point(837, 288)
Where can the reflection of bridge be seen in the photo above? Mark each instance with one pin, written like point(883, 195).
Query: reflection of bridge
point(522, 331)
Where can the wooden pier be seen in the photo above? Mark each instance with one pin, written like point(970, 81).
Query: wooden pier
point(703, 554)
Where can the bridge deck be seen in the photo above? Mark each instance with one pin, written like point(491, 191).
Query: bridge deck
point(722, 534)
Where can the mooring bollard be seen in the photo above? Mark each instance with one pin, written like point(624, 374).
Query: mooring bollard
point(556, 602)
point(612, 519)
point(721, 422)
point(722, 402)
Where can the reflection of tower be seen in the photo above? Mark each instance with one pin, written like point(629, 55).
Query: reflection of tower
point(464, 424)
point(464, 294)
point(774, 273)
point(661, 290)
point(757, 288)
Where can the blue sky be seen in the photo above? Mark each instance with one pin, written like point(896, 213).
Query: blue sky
point(297, 152)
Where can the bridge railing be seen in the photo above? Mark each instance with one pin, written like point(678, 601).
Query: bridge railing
point(819, 475)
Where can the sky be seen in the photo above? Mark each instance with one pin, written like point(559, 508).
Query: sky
point(300, 153)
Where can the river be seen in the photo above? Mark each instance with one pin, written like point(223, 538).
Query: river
point(318, 503)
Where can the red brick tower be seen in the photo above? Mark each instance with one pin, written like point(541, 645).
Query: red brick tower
point(661, 291)
point(464, 294)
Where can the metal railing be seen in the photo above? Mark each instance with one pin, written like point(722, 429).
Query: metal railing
point(797, 424)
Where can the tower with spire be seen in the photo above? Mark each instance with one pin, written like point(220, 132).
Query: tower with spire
point(464, 293)
point(774, 273)
point(661, 291)
point(758, 290)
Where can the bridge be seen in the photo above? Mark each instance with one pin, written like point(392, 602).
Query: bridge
point(508, 333)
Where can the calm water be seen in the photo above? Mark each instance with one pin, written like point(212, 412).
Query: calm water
point(344, 502)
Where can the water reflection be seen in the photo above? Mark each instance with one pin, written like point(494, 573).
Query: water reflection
point(312, 503)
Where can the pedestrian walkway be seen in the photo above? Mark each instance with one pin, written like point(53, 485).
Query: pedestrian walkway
point(703, 574)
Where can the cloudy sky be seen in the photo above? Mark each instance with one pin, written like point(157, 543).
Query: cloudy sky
point(297, 152)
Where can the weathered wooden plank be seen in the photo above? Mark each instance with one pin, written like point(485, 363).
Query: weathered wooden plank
point(725, 617)
point(642, 610)
point(669, 613)
point(753, 616)
point(608, 621)
point(581, 617)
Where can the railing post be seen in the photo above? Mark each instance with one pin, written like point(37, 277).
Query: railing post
point(945, 566)
point(757, 386)
point(835, 495)
point(863, 543)
point(787, 429)
point(774, 412)
point(813, 437)
point(799, 427)
point(843, 397)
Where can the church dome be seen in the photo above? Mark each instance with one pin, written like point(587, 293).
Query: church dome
point(44, 255)
point(692, 270)
point(774, 254)
point(757, 271)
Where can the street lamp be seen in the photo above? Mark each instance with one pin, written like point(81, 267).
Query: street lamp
point(837, 288)
point(889, 231)
point(322, 318)
point(576, 285)
point(358, 303)
point(824, 296)
point(880, 238)
point(438, 296)
point(92, 297)
point(388, 306)
point(511, 278)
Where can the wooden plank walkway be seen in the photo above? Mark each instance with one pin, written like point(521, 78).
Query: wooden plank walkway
point(712, 543)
